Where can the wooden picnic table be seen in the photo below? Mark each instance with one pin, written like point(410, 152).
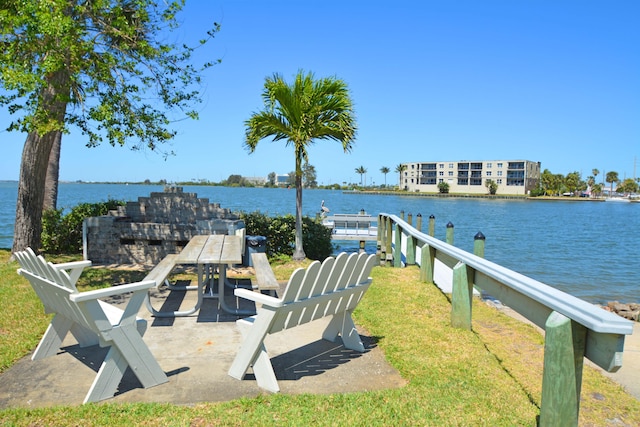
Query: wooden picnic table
point(210, 253)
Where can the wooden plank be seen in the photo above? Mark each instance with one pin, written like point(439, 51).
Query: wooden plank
point(212, 250)
point(265, 279)
point(161, 271)
point(231, 252)
point(191, 252)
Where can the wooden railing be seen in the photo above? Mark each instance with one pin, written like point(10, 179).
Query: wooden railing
point(574, 328)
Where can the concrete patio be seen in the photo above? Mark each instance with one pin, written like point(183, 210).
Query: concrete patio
point(196, 352)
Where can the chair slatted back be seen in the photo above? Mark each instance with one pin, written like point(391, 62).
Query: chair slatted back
point(55, 299)
point(53, 286)
point(327, 288)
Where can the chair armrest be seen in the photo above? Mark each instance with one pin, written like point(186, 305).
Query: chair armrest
point(258, 297)
point(115, 290)
point(72, 265)
point(75, 267)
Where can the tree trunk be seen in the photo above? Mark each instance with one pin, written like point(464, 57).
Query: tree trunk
point(298, 253)
point(34, 163)
point(53, 174)
point(33, 169)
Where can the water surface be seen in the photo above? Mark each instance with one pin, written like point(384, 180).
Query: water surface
point(588, 249)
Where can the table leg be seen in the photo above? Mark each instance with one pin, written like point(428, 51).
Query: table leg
point(200, 289)
point(222, 278)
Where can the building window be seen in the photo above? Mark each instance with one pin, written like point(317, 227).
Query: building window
point(488, 173)
point(440, 173)
point(499, 173)
point(499, 165)
point(450, 173)
point(489, 165)
point(450, 165)
point(441, 165)
point(499, 181)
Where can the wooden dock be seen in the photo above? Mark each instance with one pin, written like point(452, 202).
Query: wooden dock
point(361, 227)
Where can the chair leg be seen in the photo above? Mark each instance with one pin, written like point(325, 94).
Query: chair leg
point(108, 378)
point(52, 340)
point(263, 370)
point(254, 330)
point(138, 356)
point(343, 325)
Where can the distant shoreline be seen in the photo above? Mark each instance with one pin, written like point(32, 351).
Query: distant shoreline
point(476, 196)
point(368, 192)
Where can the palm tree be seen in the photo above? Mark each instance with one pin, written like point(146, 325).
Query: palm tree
point(399, 169)
point(612, 177)
point(385, 170)
point(300, 113)
point(361, 170)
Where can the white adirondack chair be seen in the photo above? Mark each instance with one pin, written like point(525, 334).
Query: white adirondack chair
point(92, 321)
point(333, 288)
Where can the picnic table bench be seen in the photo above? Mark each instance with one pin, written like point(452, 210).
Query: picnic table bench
point(332, 288)
point(265, 279)
point(92, 321)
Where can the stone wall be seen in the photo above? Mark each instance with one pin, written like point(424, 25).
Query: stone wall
point(145, 231)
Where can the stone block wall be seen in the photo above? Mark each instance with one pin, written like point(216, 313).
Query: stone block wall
point(145, 231)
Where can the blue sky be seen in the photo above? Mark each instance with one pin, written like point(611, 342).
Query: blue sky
point(551, 81)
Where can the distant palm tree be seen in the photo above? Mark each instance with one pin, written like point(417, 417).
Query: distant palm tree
point(612, 177)
point(385, 170)
point(361, 170)
point(299, 113)
point(399, 169)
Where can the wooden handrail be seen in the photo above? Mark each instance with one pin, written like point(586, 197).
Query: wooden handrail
point(594, 333)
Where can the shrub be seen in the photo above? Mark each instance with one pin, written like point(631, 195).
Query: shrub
point(62, 234)
point(280, 233)
point(536, 192)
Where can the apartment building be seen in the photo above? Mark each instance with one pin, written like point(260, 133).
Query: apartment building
point(514, 177)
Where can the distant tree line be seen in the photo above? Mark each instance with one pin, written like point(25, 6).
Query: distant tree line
point(573, 184)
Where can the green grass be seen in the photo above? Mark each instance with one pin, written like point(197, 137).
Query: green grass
point(486, 377)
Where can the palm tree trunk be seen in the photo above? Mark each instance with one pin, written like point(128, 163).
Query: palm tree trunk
point(298, 254)
point(53, 173)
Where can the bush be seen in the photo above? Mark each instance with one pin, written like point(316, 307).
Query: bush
point(280, 233)
point(62, 234)
point(536, 192)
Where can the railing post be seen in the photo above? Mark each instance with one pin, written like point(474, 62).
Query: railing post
point(410, 218)
point(427, 263)
point(389, 230)
point(432, 225)
point(402, 215)
point(411, 250)
point(381, 235)
point(397, 250)
point(449, 238)
point(564, 348)
point(461, 296)
point(419, 222)
point(478, 244)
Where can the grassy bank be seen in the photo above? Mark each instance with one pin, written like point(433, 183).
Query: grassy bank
point(488, 377)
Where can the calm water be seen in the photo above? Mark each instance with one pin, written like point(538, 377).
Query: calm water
point(590, 250)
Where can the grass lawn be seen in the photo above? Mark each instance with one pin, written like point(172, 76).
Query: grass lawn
point(490, 376)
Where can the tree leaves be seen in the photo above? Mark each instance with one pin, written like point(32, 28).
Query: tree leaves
point(125, 83)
